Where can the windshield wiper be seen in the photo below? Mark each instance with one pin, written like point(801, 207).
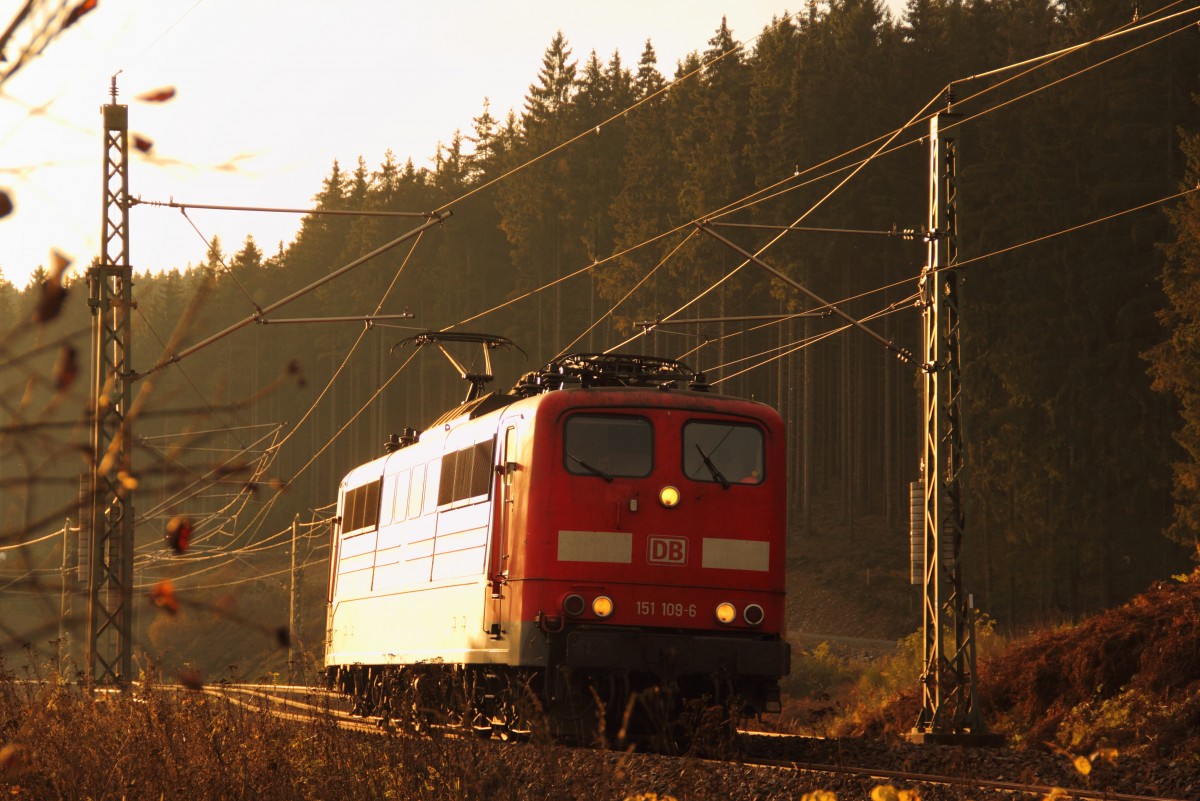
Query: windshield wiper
point(712, 468)
point(593, 470)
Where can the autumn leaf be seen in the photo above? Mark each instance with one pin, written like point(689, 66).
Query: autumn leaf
point(284, 637)
point(179, 533)
point(1083, 765)
point(59, 262)
point(49, 301)
point(53, 293)
point(78, 11)
point(161, 95)
point(6, 204)
point(163, 596)
point(142, 144)
point(66, 368)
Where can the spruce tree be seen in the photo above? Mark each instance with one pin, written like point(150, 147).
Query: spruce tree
point(1175, 362)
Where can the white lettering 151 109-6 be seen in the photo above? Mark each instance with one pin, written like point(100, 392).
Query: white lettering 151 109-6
point(666, 608)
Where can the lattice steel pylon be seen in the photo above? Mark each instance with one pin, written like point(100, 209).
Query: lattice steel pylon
point(110, 296)
point(948, 710)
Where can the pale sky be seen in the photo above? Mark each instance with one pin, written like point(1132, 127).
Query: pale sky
point(270, 92)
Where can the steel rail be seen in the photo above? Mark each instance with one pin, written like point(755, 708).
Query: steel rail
point(955, 781)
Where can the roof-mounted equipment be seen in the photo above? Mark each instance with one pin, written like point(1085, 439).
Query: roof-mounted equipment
point(488, 342)
point(585, 370)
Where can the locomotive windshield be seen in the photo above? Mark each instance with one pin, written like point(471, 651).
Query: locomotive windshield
point(608, 446)
point(725, 453)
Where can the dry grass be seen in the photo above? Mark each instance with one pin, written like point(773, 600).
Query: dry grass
point(155, 741)
point(1127, 678)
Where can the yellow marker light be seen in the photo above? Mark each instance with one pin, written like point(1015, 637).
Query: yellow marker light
point(602, 606)
point(726, 612)
point(669, 497)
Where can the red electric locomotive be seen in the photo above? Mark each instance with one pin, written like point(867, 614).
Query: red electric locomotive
point(608, 532)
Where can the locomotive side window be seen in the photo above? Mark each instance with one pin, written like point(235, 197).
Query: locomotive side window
point(466, 473)
point(608, 446)
point(414, 491)
point(400, 496)
point(432, 474)
point(361, 509)
point(724, 453)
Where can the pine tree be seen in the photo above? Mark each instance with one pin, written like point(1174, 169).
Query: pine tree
point(485, 140)
point(319, 243)
point(548, 98)
point(249, 259)
point(648, 80)
point(537, 206)
point(450, 174)
point(385, 182)
point(646, 203)
point(214, 257)
point(1175, 362)
point(8, 298)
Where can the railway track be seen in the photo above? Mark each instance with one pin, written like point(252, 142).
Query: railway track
point(933, 780)
point(294, 702)
point(794, 754)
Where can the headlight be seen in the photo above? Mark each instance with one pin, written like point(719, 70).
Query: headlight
point(574, 605)
point(726, 612)
point(753, 614)
point(602, 606)
point(669, 497)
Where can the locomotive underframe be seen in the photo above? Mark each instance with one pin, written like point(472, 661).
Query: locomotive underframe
point(605, 686)
point(733, 667)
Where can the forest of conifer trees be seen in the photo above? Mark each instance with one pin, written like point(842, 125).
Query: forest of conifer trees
point(571, 223)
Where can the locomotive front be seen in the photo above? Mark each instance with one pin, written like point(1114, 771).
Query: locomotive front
point(653, 535)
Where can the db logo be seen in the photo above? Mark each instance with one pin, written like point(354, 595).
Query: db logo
point(667, 551)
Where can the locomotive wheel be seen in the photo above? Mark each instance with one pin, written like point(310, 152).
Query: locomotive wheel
point(517, 708)
point(480, 726)
point(516, 731)
point(515, 724)
point(421, 704)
